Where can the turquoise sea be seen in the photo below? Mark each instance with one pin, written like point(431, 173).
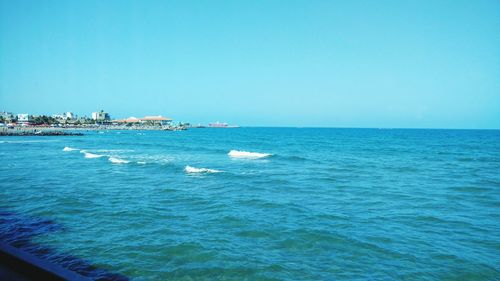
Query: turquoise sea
point(325, 204)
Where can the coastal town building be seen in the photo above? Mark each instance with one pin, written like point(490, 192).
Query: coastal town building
point(7, 116)
point(65, 116)
point(156, 120)
point(147, 120)
point(100, 116)
point(69, 115)
point(24, 118)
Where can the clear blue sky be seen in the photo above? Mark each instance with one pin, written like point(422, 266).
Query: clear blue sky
point(263, 63)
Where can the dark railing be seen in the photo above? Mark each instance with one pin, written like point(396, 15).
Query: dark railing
point(19, 265)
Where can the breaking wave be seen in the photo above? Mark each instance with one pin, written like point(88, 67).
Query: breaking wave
point(114, 150)
point(247, 154)
point(117, 160)
point(92, 155)
point(69, 149)
point(189, 169)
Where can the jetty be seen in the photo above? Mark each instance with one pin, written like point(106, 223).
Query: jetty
point(19, 131)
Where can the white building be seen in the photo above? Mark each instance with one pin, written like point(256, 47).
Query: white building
point(8, 116)
point(100, 116)
point(24, 118)
point(65, 116)
point(69, 115)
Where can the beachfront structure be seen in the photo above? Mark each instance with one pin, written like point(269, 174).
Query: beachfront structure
point(65, 116)
point(147, 120)
point(24, 118)
point(7, 116)
point(100, 116)
point(156, 120)
point(69, 115)
point(130, 120)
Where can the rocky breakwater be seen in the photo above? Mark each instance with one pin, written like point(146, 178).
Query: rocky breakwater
point(36, 132)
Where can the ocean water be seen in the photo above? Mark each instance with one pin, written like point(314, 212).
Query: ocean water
point(314, 204)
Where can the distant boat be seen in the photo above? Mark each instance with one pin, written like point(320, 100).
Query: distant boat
point(221, 125)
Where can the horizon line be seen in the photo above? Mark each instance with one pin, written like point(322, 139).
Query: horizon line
point(370, 128)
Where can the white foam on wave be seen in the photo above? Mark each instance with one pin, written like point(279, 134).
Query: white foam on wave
point(117, 160)
point(141, 162)
point(114, 150)
point(247, 154)
point(69, 149)
point(190, 170)
point(91, 155)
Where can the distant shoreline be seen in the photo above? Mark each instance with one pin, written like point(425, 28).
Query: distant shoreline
point(67, 131)
point(80, 130)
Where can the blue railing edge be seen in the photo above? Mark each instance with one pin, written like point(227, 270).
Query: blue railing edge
point(32, 263)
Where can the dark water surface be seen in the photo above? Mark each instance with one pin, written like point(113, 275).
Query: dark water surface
point(328, 204)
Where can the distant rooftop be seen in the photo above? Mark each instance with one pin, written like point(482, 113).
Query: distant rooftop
point(156, 118)
point(146, 118)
